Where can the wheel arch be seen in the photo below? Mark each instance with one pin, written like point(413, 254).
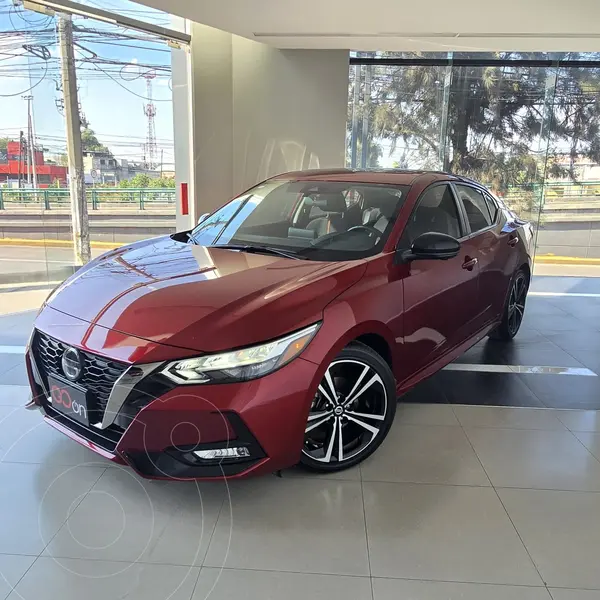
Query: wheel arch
point(378, 344)
point(373, 334)
point(527, 268)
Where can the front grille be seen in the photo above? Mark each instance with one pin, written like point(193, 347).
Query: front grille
point(104, 438)
point(99, 374)
point(98, 378)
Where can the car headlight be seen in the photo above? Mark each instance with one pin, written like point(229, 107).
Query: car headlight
point(240, 365)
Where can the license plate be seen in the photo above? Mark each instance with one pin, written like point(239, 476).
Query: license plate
point(69, 400)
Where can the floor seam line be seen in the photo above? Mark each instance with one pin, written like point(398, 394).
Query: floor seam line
point(503, 507)
point(521, 539)
point(83, 497)
point(583, 445)
point(13, 588)
point(362, 495)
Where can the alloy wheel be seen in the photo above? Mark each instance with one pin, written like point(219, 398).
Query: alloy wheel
point(516, 303)
point(347, 414)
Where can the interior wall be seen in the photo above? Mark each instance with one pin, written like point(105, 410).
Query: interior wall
point(211, 113)
point(254, 111)
point(180, 74)
point(289, 110)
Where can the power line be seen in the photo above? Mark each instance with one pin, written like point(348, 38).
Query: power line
point(29, 88)
point(127, 89)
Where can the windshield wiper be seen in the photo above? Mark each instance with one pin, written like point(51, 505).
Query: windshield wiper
point(191, 239)
point(257, 250)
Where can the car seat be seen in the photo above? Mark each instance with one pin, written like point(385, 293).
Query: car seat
point(380, 211)
point(334, 207)
point(436, 212)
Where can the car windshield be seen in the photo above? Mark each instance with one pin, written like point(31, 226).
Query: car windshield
point(315, 220)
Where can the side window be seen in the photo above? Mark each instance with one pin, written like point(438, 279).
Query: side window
point(207, 232)
point(492, 206)
point(436, 211)
point(476, 207)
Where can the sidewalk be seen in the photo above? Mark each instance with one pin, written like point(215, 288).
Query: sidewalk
point(17, 298)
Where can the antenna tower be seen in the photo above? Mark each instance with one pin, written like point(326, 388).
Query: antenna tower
point(150, 152)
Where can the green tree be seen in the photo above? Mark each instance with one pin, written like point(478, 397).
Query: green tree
point(494, 123)
point(90, 142)
point(142, 180)
point(163, 182)
point(4, 143)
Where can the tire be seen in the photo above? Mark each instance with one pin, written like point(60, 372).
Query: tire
point(361, 410)
point(514, 309)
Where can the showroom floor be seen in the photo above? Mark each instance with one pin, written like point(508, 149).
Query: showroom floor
point(487, 487)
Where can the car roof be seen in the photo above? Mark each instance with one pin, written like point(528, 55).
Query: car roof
point(381, 176)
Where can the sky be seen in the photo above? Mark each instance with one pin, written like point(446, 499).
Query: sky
point(111, 107)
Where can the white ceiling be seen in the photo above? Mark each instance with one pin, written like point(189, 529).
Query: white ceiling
point(429, 25)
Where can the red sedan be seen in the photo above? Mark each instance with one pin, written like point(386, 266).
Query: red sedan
point(283, 327)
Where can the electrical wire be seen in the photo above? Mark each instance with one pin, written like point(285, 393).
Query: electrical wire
point(128, 90)
point(45, 20)
point(29, 88)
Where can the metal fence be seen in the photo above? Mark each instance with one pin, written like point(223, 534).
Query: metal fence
point(97, 198)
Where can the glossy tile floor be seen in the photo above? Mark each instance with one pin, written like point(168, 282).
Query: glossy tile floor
point(493, 497)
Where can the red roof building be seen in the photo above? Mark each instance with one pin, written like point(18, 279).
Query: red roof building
point(13, 167)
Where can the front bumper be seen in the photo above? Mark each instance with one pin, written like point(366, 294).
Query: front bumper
point(157, 435)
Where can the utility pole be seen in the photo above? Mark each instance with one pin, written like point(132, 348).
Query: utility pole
point(355, 103)
point(79, 212)
point(21, 150)
point(28, 166)
point(364, 149)
point(31, 120)
point(31, 140)
point(161, 163)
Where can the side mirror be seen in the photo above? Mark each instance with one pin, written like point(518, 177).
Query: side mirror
point(431, 246)
point(203, 217)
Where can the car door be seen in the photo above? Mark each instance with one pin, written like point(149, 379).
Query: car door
point(491, 244)
point(440, 296)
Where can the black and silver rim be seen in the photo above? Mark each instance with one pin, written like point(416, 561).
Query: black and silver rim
point(516, 303)
point(347, 413)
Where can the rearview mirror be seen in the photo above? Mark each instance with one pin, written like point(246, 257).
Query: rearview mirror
point(432, 246)
point(203, 217)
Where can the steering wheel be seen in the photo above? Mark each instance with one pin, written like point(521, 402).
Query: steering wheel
point(330, 236)
point(367, 228)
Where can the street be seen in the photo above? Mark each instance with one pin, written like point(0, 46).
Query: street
point(20, 264)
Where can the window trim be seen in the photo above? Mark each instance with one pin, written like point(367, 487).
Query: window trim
point(491, 198)
point(471, 234)
point(463, 224)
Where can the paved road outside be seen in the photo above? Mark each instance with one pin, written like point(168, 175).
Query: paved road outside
point(561, 238)
point(103, 227)
point(28, 264)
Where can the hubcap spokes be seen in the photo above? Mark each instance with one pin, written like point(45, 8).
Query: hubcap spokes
point(347, 413)
point(516, 304)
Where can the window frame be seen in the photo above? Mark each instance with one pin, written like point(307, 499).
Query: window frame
point(462, 222)
point(463, 210)
point(491, 199)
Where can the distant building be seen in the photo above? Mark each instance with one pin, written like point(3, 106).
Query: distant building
point(585, 168)
point(104, 168)
point(13, 168)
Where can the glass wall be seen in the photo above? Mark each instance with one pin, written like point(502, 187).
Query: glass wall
point(527, 126)
point(123, 79)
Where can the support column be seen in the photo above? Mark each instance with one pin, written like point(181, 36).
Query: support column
point(245, 111)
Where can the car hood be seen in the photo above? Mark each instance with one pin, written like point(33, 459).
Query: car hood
point(206, 299)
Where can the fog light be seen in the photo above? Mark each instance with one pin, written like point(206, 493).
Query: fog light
point(219, 453)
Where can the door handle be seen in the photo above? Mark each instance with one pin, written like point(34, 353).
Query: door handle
point(513, 241)
point(469, 263)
